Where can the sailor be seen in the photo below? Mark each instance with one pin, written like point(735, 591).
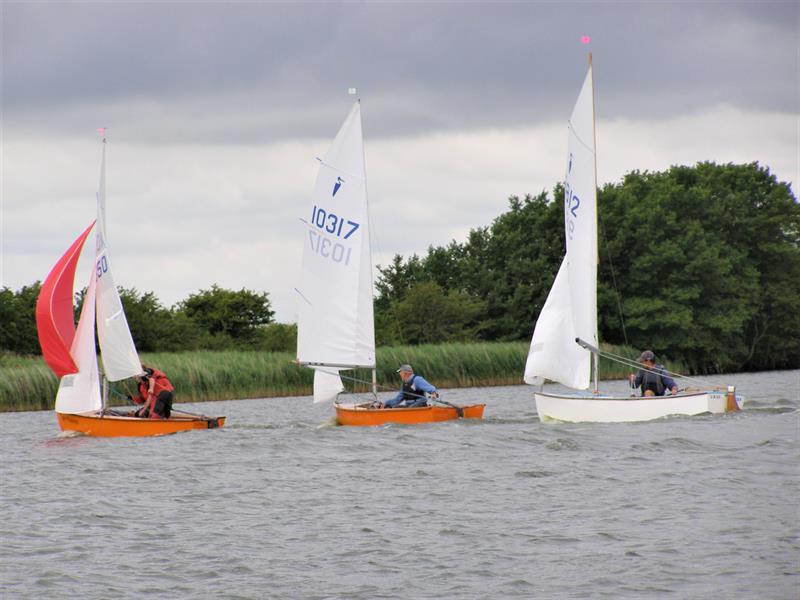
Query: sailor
point(413, 392)
point(652, 378)
point(155, 393)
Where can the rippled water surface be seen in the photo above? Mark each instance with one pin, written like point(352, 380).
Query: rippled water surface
point(281, 504)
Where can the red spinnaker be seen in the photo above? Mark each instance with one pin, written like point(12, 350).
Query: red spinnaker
point(55, 322)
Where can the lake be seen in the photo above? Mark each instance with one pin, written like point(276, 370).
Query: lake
point(280, 503)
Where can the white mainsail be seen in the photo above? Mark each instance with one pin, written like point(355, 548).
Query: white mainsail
point(80, 392)
point(571, 308)
point(120, 359)
point(335, 323)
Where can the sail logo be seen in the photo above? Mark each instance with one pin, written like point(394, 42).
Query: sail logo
point(337, 185)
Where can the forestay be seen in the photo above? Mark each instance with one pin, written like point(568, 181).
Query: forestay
point(571, 308)
point(335, 324)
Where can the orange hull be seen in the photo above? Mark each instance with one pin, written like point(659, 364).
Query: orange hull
point(353, 414)
point(116, 426)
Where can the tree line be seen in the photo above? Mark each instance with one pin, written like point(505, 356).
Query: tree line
point(213, 319)
point(700, 264)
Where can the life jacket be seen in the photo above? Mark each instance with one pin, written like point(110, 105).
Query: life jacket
point(409, 391)
point(653, 381)
point(161, 384)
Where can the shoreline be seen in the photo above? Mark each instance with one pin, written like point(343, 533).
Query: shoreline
point(27, 384)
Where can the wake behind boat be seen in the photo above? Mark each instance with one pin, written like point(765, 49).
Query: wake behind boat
point(564, 345)
point(335, 329)
point(72, 354)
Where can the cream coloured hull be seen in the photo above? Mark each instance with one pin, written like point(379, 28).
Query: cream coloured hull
point(609, 409)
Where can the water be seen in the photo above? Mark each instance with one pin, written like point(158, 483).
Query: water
point(280, 504)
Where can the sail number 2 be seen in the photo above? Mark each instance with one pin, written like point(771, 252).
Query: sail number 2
point(331, 223)
point(571, 204)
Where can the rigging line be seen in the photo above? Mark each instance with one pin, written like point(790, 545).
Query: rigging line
point(381, 388)
point(632, 363)
point(613, 278)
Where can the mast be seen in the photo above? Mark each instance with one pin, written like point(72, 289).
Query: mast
point(100, 243)
point(595, 356)
point(353, 91)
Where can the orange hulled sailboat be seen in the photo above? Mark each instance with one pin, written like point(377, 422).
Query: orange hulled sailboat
point(335, 330)
point(71, 353)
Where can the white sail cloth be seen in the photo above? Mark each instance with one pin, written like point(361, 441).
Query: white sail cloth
point(571, 308)
point(120, 359)
point(327, 384)
point(80, 392)
point(335, 323)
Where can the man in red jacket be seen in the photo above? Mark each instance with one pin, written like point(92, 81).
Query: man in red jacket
point(155, 393)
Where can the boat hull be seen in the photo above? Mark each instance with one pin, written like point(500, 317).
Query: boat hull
point(363, 416)
point(608, 409)
point(95, 424)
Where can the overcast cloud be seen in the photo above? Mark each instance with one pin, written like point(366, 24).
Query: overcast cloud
point(216, 112)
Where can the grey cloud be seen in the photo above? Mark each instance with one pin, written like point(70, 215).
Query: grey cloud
point(254, 71)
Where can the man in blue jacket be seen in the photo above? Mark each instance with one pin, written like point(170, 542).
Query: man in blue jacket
point(652, 378)
point(412, 393)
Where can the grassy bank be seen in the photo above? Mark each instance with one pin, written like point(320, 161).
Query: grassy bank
point(28, 384)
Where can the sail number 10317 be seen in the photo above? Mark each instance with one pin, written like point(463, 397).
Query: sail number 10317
point(332, 223)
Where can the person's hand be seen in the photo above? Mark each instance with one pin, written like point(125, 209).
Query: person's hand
point(674, 390)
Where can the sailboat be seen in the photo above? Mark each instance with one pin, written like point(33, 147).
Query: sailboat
point(564, 345)
point(72, 354)
point(335, 330)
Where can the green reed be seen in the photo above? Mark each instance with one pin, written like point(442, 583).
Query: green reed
point(26, 383)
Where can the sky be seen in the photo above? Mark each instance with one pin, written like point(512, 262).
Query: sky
point(216, 111)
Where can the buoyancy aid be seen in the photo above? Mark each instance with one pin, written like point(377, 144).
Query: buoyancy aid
point(160, 384)
point(409, 391)
point(653, 381)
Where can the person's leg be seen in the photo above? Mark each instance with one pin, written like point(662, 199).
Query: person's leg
point(163, 406)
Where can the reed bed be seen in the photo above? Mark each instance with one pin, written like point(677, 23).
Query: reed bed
point(26, 383)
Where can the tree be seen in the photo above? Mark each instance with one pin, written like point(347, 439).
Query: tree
point(226, 313)
point(702, 257)
point(155, 328)
point(18, 320)
point(428, 314)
